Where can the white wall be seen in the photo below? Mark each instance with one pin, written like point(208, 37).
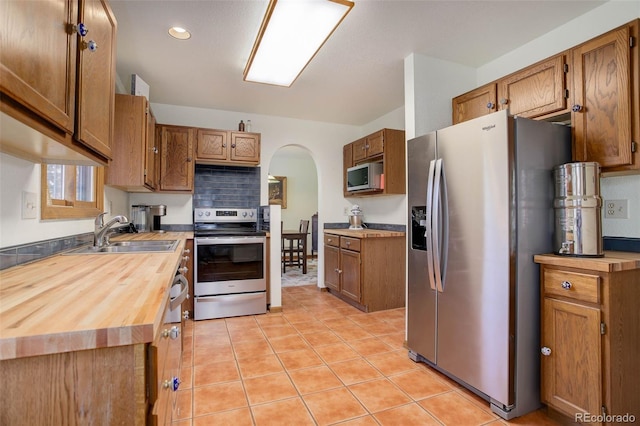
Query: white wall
point(302, 184)
point(16, 176)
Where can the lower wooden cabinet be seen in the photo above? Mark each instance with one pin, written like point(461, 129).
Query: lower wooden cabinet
point(164, 356)
point(367, 272)
point(590, 337)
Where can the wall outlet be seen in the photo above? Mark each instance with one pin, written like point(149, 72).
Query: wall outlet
point(346, 211)
point(616, 209)
point(29, 205)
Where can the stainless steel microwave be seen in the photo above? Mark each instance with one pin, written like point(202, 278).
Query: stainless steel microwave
point(365, 176)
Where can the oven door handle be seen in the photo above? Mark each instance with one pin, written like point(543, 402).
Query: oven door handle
point(209, 241)
point(177, 301)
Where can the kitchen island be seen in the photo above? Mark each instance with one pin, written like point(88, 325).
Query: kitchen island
point(75, 332)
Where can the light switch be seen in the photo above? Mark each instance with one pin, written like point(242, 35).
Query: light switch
point(29, 207)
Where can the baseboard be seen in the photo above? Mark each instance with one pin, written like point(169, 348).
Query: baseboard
point(275, 309)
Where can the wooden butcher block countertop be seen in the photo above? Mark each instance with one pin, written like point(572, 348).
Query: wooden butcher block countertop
point(364, 233)
point(86, 301)
point(613, 261)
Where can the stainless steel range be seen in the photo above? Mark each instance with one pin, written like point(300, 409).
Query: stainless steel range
point(230, 263)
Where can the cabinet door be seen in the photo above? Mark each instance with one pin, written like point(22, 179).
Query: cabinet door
point(536, 90)
point(332, 267)
point(473, 104)
point(96, 77)
point(39, 57)
point(150, 170)
point(347, 161)
point(176, 159)
point(212, 145)
point(245, 147)
point(127, 168)
point(375, 144)
point(350, 266)
point(601, 110)
point(359, 150)
point(571, 372)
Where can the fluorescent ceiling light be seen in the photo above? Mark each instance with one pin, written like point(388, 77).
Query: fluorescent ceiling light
point(291, 33)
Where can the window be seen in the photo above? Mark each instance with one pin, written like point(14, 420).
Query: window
point(71, 191)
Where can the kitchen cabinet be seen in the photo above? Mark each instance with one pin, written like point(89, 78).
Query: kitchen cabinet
point(72, 108)
point(164, 356)
point(357, 268)
point(176, 158)
point(537, 90)
point(226, 147)
point(604, 101)
point(133, 166)
point(590, 334)
point(476, 103)
point(386, 146)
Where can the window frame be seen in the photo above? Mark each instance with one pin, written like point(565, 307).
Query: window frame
point(61, 209)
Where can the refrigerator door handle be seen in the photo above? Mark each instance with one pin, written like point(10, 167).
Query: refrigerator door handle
point(442, 221)
point(435, 225)
point(429, 225)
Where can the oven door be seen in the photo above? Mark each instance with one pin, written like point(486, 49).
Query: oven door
point(228, 265)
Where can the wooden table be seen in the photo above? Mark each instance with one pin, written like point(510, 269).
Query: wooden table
point(291, 236)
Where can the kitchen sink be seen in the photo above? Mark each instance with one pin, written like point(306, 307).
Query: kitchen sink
point(131, 246)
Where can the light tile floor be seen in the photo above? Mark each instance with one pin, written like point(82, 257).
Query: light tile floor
point(318, 362)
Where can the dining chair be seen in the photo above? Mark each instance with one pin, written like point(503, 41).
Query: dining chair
point(294, 249)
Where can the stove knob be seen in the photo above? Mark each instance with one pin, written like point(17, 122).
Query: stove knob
point(207, 213)
point(244, 214)
point(250, 214)
point(199, 213)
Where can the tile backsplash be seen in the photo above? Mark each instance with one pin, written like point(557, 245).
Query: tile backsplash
point(226, 186)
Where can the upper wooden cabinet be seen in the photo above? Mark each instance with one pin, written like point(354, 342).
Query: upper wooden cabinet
point(604, 100)
point(176, 158)
point(133, 166)
point(473, 104)
point(226, 147)
point(595, 83)
point(56, 81)
point(536, 90)
point(386, 146)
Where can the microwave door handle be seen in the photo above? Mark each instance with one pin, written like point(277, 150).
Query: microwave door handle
point(428, 225)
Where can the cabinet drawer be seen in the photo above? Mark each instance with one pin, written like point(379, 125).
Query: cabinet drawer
point(350, 243)
point(331, 240)
point(571, 284)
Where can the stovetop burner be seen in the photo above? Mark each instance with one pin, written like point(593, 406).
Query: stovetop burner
point(227, 222)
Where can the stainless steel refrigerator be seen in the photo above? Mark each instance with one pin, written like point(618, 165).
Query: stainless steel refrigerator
point(480, 198)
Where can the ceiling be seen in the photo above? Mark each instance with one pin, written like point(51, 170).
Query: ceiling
point(356, 77)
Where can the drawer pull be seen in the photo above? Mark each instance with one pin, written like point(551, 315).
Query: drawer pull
point(545, 351)
point(174, 332)
point(566, 285)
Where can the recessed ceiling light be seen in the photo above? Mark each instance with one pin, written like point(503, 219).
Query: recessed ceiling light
point(179, 33)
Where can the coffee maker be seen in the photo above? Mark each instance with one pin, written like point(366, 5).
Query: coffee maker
point(156, 212)
point(147, 218)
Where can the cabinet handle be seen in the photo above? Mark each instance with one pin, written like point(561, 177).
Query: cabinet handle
point(174, 332)
point(566, 285)
point(187, 251)
point(91, 45)
point(329, 240)
point(172, 384)
point(224, 145)
point(233, 145)
point(348, 243)
point(490, 105)
point(185, 315)
point(339, 271)
point(189, 159)
point(185, 258)
point(183, 270)
point(504, 101)
point(545, 351)
point(81, 29)
point(165, 333)
point(576, 108)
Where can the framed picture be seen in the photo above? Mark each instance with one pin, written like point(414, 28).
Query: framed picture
point(278, 190)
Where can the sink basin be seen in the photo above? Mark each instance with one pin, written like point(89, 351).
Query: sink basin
point(132, 246)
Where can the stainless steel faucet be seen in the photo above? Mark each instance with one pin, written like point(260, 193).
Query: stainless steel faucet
point(100, 233)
